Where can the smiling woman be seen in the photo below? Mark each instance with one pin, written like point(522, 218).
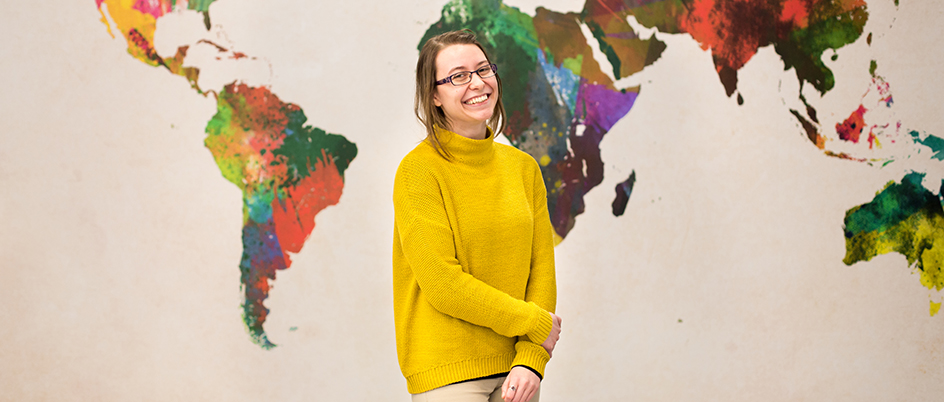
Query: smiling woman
point(473, 251)
point(469, 102)
point(447, 73)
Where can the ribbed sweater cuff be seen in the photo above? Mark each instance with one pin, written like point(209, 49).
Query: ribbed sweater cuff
point(531, 355)
point(542, 328)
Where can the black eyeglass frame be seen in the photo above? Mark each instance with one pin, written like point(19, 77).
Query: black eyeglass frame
point(448, 79)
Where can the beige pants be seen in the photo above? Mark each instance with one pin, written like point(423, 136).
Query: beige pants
point(471, 391)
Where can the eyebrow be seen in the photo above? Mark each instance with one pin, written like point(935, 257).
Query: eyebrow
point(460, 68)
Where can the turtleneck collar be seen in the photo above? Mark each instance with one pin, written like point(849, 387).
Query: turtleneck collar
point(467, 150)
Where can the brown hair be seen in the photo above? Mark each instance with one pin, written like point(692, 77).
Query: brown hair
point(427, 112)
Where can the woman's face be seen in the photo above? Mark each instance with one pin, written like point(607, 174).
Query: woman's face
point(468, 106)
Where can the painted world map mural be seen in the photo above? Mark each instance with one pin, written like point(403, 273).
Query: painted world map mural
point(564, 76)
point(287, 171)
point(562, 101)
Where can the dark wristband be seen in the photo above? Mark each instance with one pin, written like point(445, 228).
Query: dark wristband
point(540, 377)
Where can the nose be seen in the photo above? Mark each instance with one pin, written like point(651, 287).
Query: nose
point(477, 82)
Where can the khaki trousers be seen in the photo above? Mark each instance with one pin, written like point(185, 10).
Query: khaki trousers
point(470, 391)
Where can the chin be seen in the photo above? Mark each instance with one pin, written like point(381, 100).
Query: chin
point(484, 115)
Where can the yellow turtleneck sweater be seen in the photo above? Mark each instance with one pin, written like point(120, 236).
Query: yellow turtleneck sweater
point(473, 262)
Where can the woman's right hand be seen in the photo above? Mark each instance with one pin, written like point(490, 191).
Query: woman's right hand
point(554, 336)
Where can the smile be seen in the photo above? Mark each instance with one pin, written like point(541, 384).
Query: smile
point(477, 100)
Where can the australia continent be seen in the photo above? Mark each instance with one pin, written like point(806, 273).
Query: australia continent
point(904, 218)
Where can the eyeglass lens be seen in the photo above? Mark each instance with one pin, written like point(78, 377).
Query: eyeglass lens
point(466, 76)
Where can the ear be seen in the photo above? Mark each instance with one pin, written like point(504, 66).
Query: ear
point(436, 99)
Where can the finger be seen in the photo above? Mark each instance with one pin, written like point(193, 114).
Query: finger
point(511, 393)
point(521, 393)
point(527, 398)
point(519, 396)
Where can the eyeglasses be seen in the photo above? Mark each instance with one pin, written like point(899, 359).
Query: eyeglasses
point(465, 77)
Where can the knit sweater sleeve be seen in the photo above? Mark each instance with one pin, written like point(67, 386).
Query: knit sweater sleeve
point(427, 241)
point(542, 283)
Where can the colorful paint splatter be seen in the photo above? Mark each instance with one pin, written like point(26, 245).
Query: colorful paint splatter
point(137, 21)
point(801, 31)
point(874, 119)
point(559, 102)
point(905, 218)
point(288, 172)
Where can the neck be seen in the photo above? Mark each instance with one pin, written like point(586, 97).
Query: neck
point(466, 150)
point(474, 131)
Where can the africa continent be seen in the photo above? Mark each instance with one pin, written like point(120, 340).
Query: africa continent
point(561, 100)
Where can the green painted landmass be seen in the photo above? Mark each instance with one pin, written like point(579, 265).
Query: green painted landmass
point(935, 143)
point(905, 218)
point(305, 147)
point(199, 5)
point(832, 25)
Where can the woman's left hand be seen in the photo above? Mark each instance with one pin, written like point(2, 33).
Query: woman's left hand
point(520, 385)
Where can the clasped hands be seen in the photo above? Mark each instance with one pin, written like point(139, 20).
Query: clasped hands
point(521, 383)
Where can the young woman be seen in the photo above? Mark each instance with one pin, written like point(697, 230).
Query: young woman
point(473, 251)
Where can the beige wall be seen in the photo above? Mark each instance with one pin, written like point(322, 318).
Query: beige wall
point(723, 281)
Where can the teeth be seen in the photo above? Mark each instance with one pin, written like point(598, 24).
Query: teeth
point(478, 99)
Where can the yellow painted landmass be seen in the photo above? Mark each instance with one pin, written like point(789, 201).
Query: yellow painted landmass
point(932, 258)
point(138, 30)
point(920, 238)
point(127, 20)
point(105, 21)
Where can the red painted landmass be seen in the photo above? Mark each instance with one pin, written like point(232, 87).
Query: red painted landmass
point(261, 118)
point(294, 214)
point(144, 45)
point(795, 12)
point(735, 29)
point(851, 128)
